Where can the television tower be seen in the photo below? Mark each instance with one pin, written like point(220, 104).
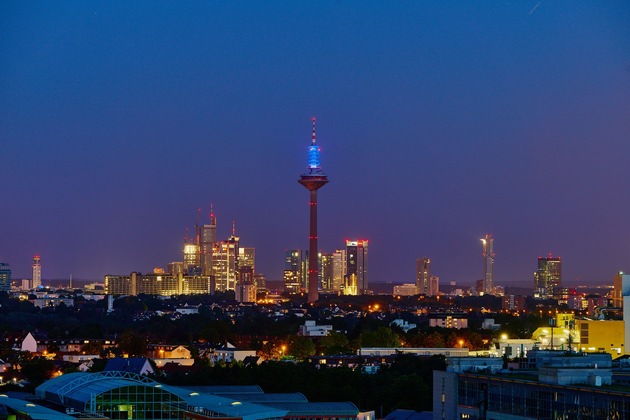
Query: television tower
point(313, 180)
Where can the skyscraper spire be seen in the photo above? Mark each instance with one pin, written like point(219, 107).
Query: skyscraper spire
point(313, 140)
point(213, 220)
point(233, 227)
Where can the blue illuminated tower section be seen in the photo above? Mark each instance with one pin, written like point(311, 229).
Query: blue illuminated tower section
point(313, 180)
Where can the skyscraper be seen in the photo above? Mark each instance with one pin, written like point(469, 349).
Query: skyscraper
point(548, 276)
point(313, 180)
point(326, 271)
point(247, 258)
point(338, 269)
point(357, 263)
point(37, 272)
point(5, 277)
point(434, 286)
point(488, 264)
point(292, 271)
point(207, 239)
point(423, 275)
point(225, 262)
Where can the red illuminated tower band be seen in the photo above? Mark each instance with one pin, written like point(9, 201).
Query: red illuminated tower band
point(313, 180)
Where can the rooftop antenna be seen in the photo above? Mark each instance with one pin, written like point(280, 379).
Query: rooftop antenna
point(233, 228)
point(197, 232)
point(186, 236)
point(213, 220)
point(313, 142)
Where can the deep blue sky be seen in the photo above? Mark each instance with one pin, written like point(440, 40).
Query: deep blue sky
point(438, 121)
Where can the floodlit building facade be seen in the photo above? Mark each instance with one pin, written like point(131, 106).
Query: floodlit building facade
point(407, 289)
point(37, 272)
point(548, 276)
point(157, 284)
point(357, 263)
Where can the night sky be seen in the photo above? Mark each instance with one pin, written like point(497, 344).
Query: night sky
point(438, 121)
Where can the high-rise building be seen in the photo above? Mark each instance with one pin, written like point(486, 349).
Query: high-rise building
point(488, 264)
point(338, 269)
point(434, 286)
point(357, 263)
point(423, 275)
point(293, 271)
point(191, 258)
point(247, 258)
point(37, 272)
point(5, 277)
point(621, 289)
point(548, 276)
point(313, 180)
point(157, 284)
point(225, 263)
point(174, 268)
point(326, 270)
point(207, 238)
point(260, 280)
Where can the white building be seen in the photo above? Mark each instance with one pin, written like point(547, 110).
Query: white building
point(229, 354)
point(403, 325)
point(310, 329)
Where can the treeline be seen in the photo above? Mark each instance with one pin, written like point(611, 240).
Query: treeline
point(406, 384)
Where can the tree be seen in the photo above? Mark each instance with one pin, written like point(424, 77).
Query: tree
point(434, 340)
point(132, 343)
point(335, 343)
point(301, 347)
point(381, 337)
point(38, 370)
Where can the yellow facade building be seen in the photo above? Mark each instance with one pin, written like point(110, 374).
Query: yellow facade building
point(585, 335)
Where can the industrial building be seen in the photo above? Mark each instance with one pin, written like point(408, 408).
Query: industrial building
point(553, 385)
point(126, 395)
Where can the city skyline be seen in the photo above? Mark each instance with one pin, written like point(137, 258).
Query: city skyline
point(440, 123)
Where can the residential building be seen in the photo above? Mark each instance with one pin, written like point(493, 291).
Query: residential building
point(448, 320)
point(228, 354)
point(37, 272)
